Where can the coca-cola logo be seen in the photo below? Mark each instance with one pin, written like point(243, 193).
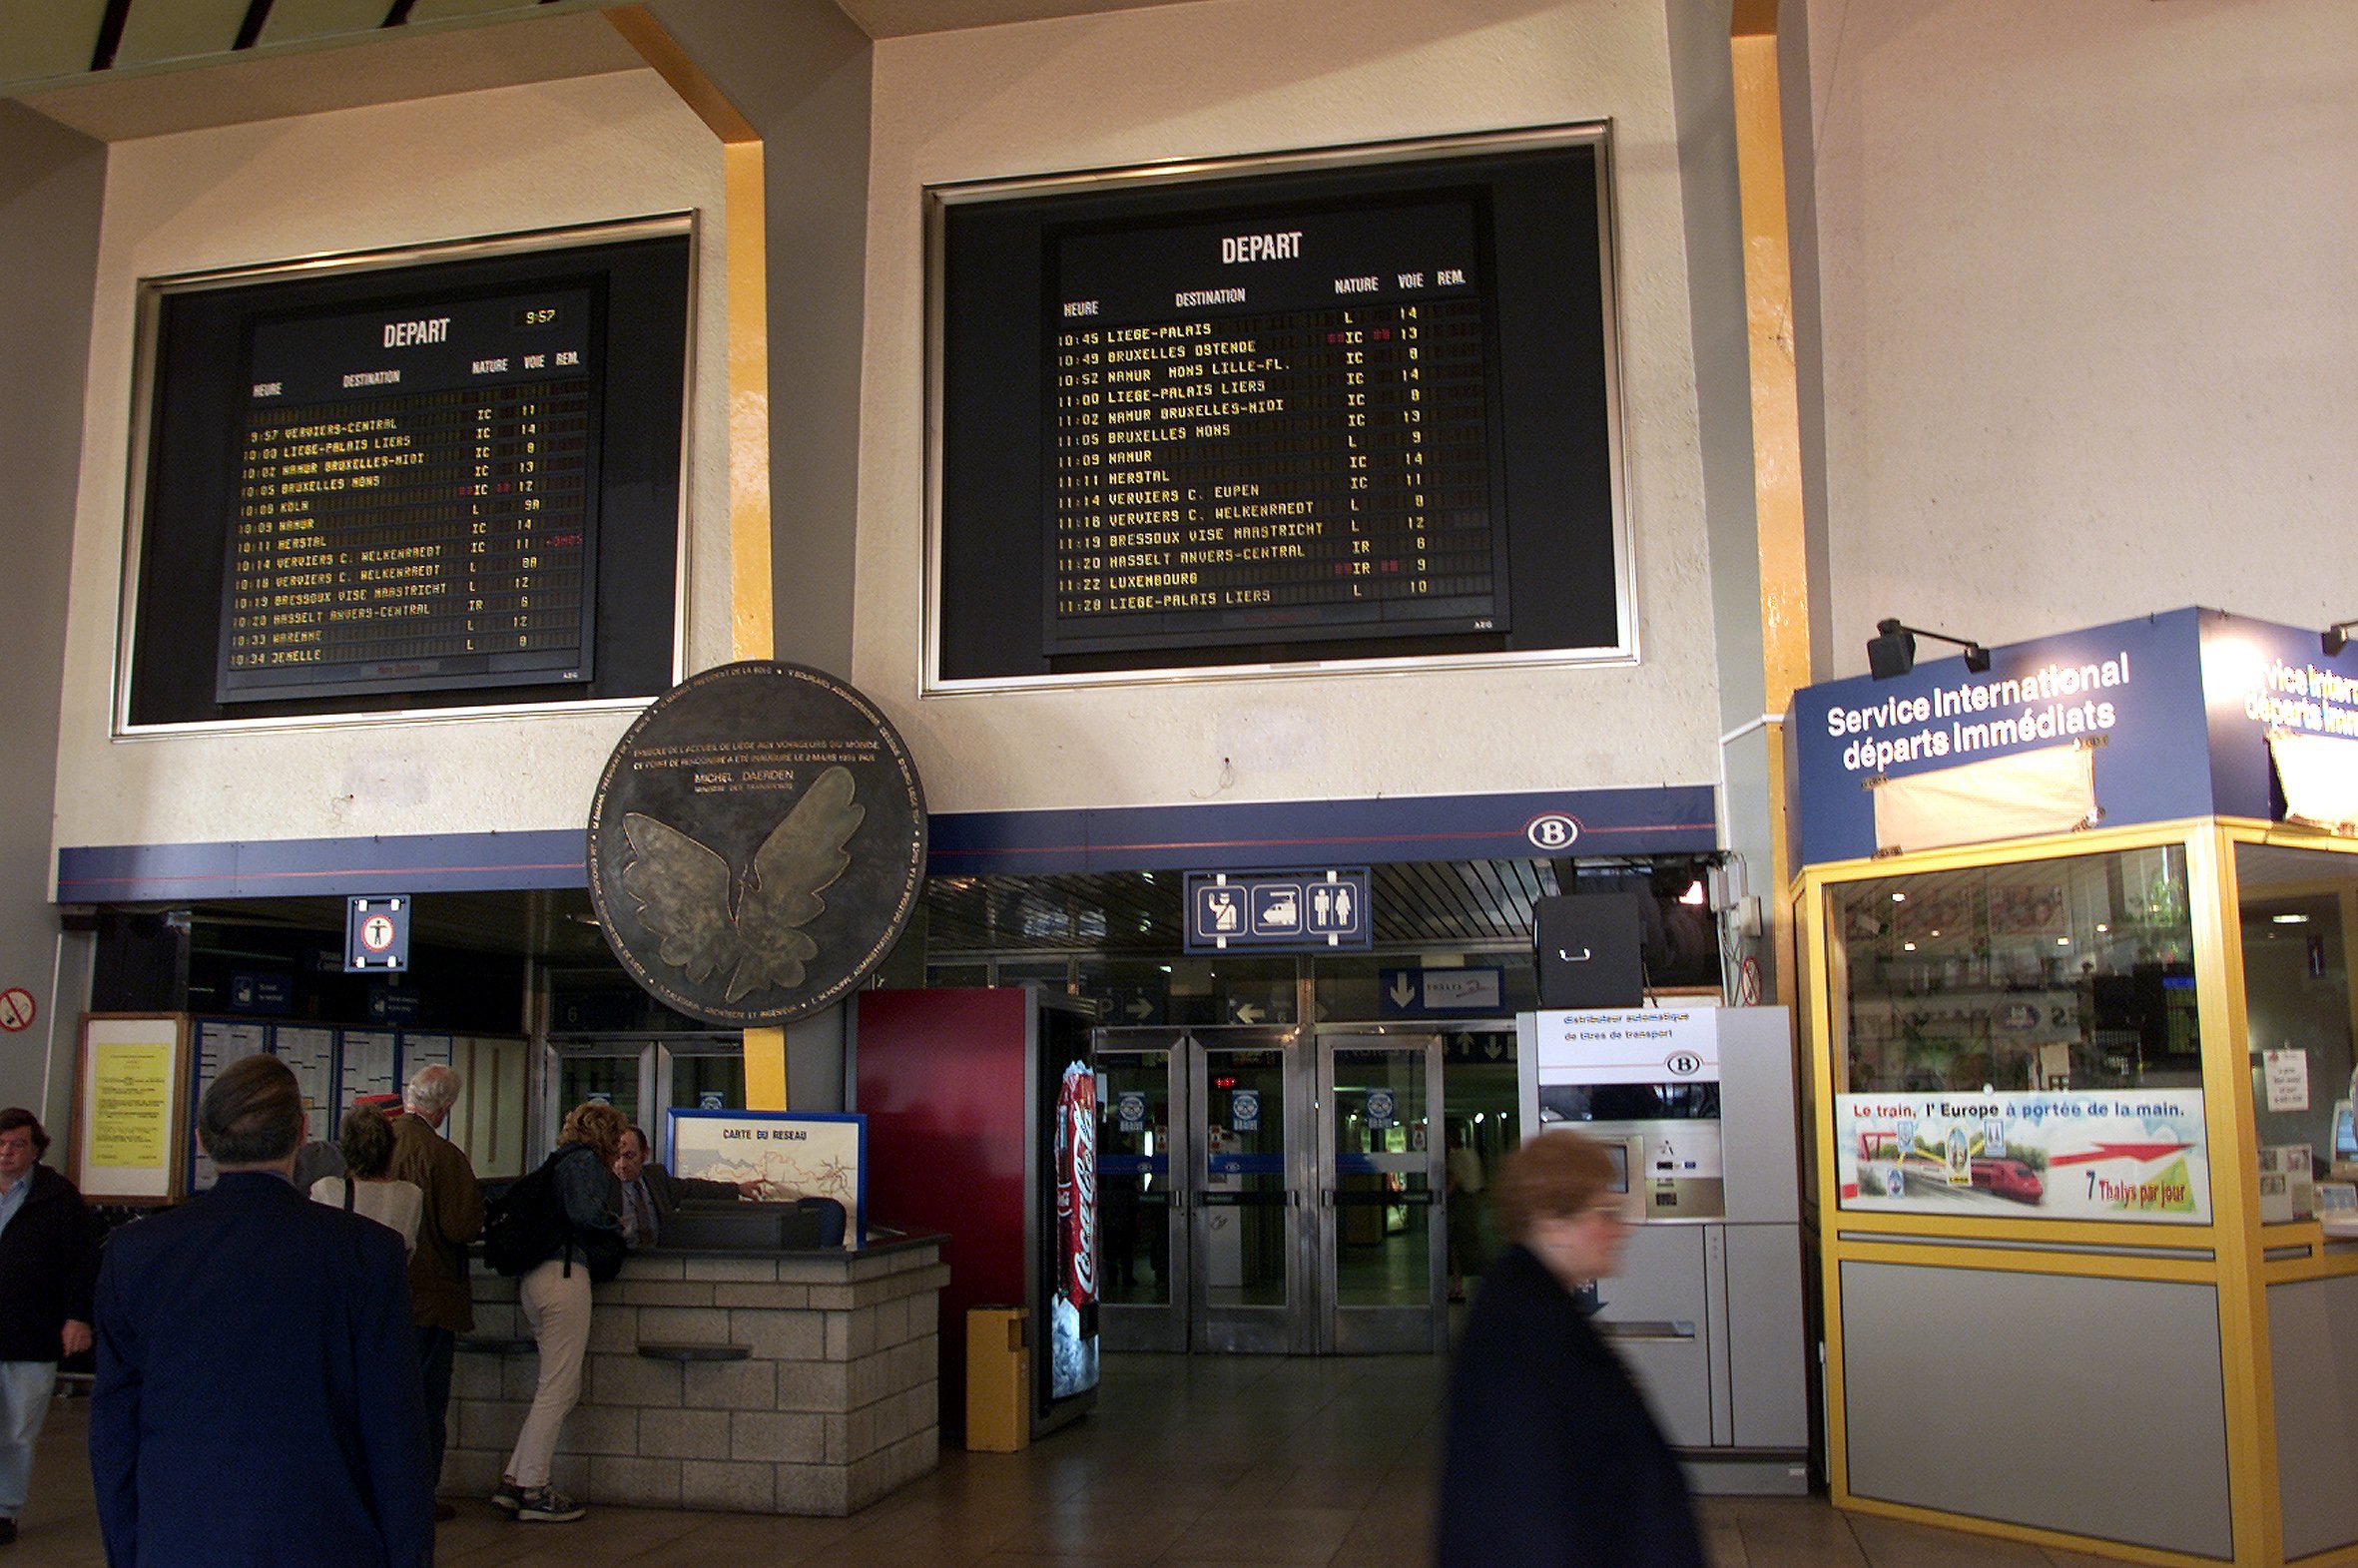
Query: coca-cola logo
point(1083, 1127)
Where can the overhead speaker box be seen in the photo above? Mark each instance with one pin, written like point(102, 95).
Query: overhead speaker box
point(1591, 950)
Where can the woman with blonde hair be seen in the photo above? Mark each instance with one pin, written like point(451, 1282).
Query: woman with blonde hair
point(1552, 1455)
point(554, 1297)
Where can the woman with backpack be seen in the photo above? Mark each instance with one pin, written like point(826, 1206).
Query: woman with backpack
point(555, 1298)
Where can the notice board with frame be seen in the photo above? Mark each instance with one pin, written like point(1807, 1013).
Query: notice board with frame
point(131, 1108)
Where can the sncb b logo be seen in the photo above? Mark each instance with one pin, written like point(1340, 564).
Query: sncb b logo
point(1553, 830)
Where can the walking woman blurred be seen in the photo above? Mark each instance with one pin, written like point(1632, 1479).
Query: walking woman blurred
point(1553, 1458)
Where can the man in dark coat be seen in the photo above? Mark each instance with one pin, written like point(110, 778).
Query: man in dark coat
point(48, 1266)
point(651, 1194)
point(257, 1396)
point(1553, 1460)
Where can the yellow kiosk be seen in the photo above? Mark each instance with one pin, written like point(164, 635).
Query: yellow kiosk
point(2079, 924)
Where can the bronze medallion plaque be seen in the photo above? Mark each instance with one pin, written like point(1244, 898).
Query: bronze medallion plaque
point(756, 843)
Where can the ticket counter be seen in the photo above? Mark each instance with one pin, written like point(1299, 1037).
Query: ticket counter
point(2078, 1013)
point(800, 1383)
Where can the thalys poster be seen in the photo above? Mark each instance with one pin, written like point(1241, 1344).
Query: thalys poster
point(2080, 1154)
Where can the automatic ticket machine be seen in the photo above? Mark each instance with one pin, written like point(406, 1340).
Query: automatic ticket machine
point(1695, 1104)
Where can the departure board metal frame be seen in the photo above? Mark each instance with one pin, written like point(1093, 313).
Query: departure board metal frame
point(1165, 562)
point(542, 332)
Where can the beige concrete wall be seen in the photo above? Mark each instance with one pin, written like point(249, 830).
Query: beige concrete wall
point(1234, 76)
point(50, 184)
point(2091, 337)
point(599, 148)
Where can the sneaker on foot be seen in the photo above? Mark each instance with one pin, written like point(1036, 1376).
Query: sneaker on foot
point(508, 1499)
point(547, 1505)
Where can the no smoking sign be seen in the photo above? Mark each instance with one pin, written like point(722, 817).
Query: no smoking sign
point(16, 1009)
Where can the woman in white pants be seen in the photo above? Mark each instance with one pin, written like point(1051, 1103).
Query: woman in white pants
point(555, 1299)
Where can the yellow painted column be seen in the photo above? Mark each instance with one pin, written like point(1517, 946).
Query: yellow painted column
point(765, 1070)
point(2230, 1126)
point(1776, 417)
point(752, 624)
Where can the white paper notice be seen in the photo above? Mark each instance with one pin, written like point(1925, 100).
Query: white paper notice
point(2288, 1079)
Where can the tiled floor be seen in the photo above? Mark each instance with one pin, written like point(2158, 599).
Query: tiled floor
point(1202, 1460)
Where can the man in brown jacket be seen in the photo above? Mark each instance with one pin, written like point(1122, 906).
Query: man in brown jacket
point(441, 1304)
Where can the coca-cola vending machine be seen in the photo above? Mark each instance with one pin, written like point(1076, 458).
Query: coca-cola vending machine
point(981, 1109)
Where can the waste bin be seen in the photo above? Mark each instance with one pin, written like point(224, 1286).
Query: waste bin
point(998, 1379)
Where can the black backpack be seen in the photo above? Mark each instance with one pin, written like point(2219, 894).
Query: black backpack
point(525, 1225)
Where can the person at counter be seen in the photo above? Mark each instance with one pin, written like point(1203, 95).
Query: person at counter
point(651, 1194)
point(1552, 1457)
point(554, 1299)
point(450, 1215)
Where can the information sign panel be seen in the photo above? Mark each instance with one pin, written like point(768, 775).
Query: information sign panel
point(1305, 911)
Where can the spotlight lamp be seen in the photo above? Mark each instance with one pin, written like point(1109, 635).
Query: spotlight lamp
point(2337, 637)
point(1892, 650)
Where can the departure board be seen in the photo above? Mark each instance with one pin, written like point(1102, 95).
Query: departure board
point(414, 505)
point(1272, 425)
point(1293, 411)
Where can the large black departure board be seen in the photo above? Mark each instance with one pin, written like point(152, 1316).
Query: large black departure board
point(447, 478)
point(1316, 410)
point(414, 503)
point(1266, 431)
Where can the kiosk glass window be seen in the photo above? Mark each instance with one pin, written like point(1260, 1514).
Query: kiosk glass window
point(2048, 975)
point(2296, 911)
point(584, 1076)
point(714, 1082)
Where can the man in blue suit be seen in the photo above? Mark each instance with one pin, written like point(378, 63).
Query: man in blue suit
point(257, 1396)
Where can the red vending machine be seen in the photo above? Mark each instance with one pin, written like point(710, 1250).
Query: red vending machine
point(981, 1110)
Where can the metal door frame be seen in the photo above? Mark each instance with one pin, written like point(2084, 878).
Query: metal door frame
point(1163, 1327)
point(1364, 1330)
point(1293, 1328)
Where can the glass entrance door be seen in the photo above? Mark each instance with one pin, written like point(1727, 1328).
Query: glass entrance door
point(1262, 1190)
point(1383, 1265)
point(1251, 1290)
point(1142, 1239)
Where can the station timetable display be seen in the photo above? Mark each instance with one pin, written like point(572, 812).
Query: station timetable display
point(443, 476)
point(1273, 429)
point(414, 505)
point(1279, 412)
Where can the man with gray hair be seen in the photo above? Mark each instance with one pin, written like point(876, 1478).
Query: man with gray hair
point(257, 1398)
point(441, 1299)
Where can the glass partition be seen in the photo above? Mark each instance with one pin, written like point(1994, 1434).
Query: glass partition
point(597, 1075)
point(2073, 973)
point(2020, 1041)
point(2295, 907)
point(708, 1081)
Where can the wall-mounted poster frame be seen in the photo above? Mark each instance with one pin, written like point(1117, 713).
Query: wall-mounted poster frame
point(131, 1108)
point(446, 478)
point(812, 1154)
point(1346, 408)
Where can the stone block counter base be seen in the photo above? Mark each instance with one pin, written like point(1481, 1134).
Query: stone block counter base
point(833, 1404)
